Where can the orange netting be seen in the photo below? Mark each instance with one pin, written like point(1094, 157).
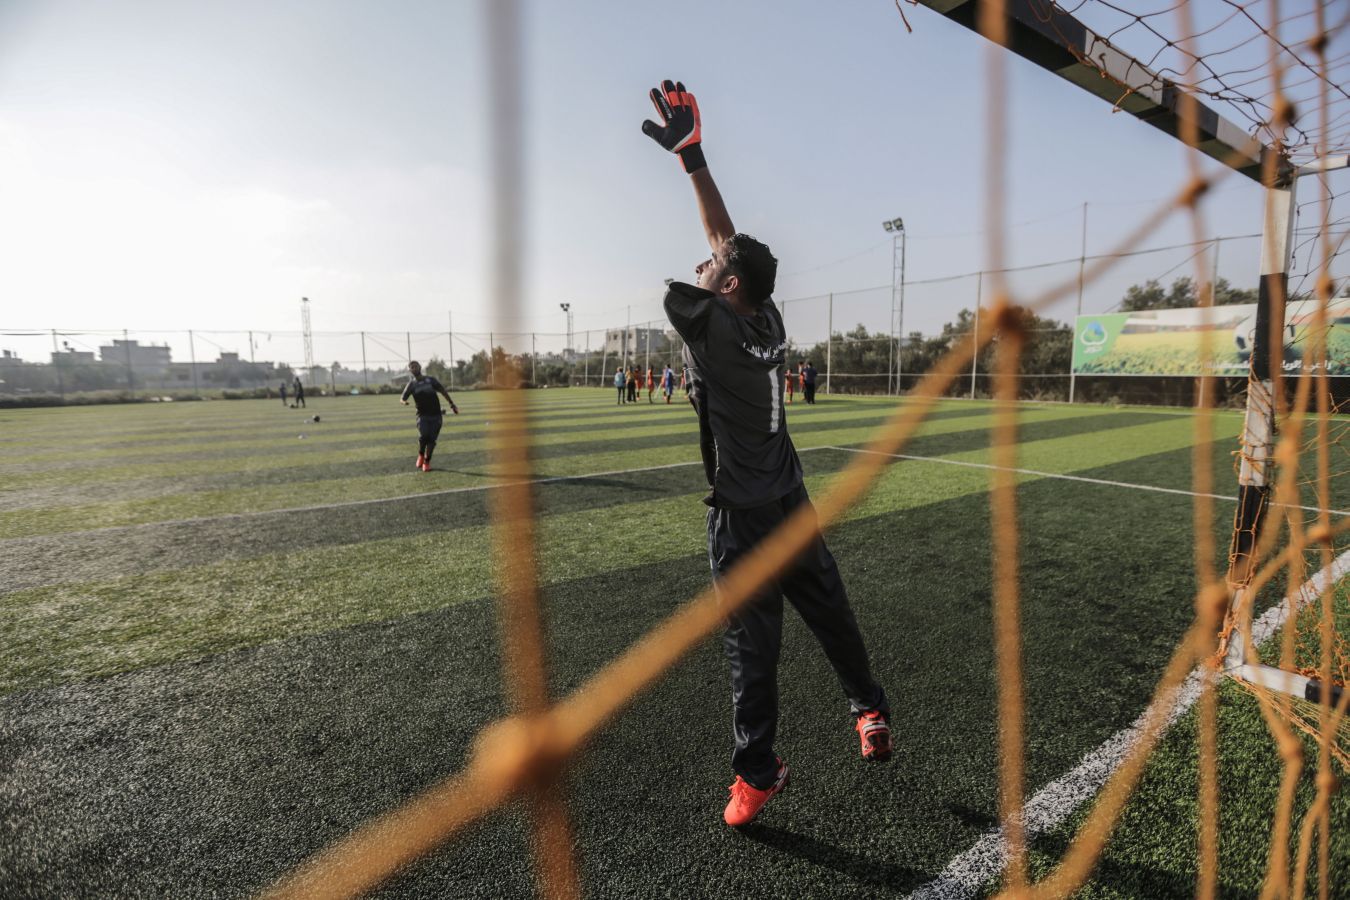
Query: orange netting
point(524, 756)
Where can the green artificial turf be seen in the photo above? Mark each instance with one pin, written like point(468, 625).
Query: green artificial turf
point(150, 542)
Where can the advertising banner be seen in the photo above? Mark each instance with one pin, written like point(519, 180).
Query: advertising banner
point(1169, 341)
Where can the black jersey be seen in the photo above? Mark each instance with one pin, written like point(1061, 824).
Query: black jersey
point(736, 366)
point(424, 392)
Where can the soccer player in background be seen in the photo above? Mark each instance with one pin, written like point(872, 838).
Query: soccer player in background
point(651, 384)
point(423, 390)
point(791, 380)
point(299, 392)
point(668, 383)
point(618, 383)
point(632, 385)
point(809, 383)
point(283, 393)
point(735, 348)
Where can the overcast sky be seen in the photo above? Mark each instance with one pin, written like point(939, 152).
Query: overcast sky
point(203, 165)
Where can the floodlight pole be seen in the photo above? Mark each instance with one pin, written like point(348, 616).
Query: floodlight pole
point(567, 308)
point(896, 227)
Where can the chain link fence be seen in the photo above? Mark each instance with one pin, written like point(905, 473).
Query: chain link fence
point(859, 341)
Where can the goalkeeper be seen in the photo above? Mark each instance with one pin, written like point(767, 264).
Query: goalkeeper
point(735, 348)
point(423, 390)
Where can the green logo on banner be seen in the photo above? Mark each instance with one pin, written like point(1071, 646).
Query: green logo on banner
point(1094, 336)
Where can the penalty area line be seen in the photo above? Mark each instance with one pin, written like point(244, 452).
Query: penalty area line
point(967, 873)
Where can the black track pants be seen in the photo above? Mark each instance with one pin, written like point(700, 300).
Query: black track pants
point(428, 430)
point(754, 633)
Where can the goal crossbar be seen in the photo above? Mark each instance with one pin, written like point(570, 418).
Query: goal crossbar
point(1042, 33)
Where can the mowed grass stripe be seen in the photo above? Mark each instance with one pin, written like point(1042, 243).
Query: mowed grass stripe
point(148, 422)
point(456, 461)
point(370, 473)
point(226, 605)
point(471, 432)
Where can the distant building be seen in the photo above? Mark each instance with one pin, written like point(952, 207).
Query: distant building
point(144, 359)
point(640, 340)
point(73, 358)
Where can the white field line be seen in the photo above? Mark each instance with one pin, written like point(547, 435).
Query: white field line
point(1052, 804)
point(1062, 477)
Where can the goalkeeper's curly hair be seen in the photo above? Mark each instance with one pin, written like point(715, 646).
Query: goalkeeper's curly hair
point(755, 266)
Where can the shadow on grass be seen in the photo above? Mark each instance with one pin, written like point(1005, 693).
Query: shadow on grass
point(862, 869)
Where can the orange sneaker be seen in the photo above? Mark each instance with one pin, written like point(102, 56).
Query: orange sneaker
point(747, 800)
point(420, 462)
point(875, 735)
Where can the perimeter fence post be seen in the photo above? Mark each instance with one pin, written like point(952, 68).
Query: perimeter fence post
point(604, 358)
point(365, 379)
point(492, 370)
point(56, 364)
point(192, 357)
point(126, 345)
point(1073, 336)
point(407, 336)
point(534, 359)
point(450, 342)
point(829, 342)
point(647, 339)
point(586, 363)
point(975, 336)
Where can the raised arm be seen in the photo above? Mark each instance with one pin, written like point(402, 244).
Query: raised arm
point(716, 220)
point(682, 133)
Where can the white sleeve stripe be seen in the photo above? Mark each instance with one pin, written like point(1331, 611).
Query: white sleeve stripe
point(775, 389)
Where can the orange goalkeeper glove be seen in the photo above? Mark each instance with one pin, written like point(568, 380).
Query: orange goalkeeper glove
point(682, 132)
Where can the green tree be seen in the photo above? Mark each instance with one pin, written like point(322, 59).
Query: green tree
point(1182, 294)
